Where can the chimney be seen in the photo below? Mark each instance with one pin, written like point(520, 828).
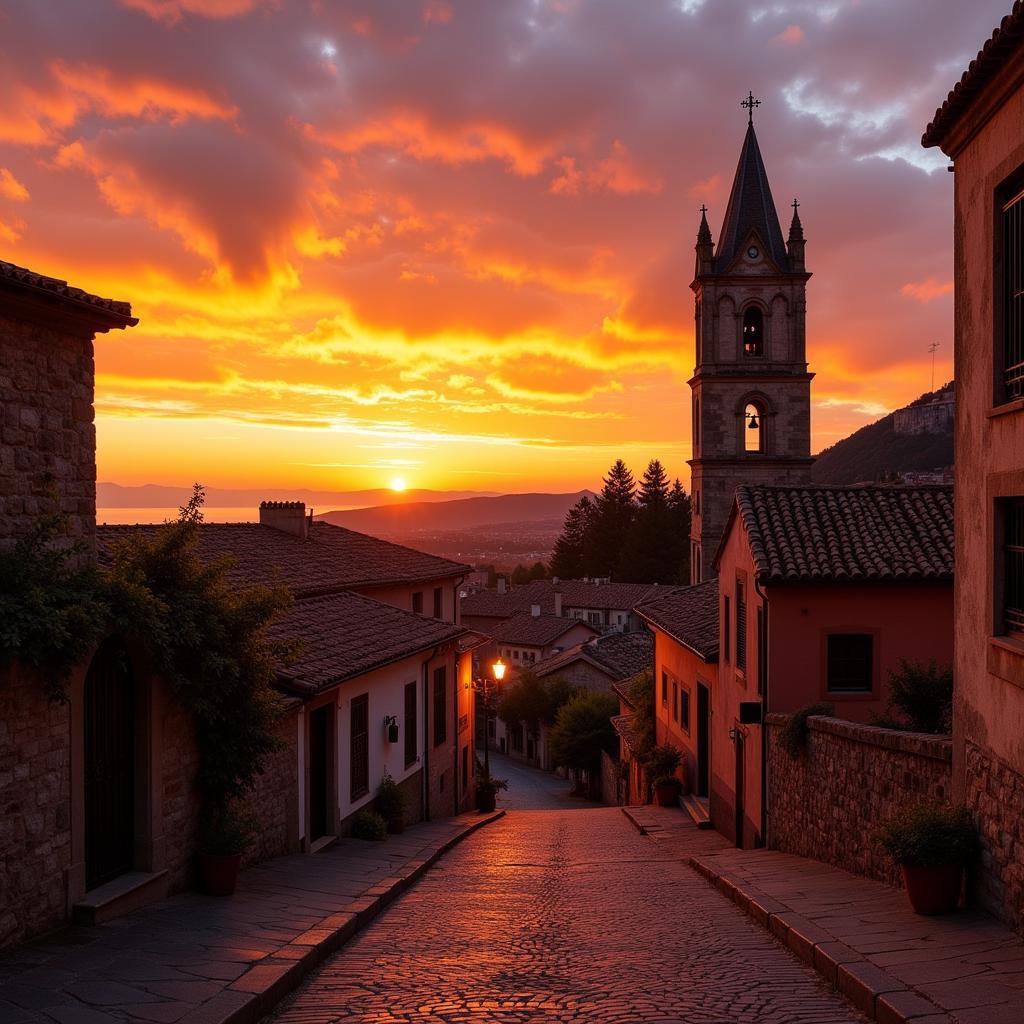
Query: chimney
point(535, 610)
point(558, 603)
point(501, 585)
point(286, 516)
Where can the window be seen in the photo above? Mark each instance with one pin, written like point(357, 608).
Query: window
point(515, 655)
point(410, 724)
point(440, 783)
point(594, 618)
point(753, 428)
point(359, 755)
point(1012, 311)
point(675, 701)
point(417, 602)
point(850, 657)
point(438, 603)
point(684, 708)
point(726, 626)
point(741, 625)
point(1013, 565)
point(664, 689)
point(440, 705)
point(696, 424)
point(695, 568)
point(753, 332)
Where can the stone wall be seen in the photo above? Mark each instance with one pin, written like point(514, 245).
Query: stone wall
point(995, 793)
point(275, 797)
point(35, 808)
point(47, 437)
point(180, 801)
point(827, 803)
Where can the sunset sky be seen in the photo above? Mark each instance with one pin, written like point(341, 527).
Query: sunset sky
point(452, 240)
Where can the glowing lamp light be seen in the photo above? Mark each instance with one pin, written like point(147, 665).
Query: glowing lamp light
point(498, 669)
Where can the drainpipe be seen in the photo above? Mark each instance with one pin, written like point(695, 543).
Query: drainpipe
point(762, 642)
point(426, 734)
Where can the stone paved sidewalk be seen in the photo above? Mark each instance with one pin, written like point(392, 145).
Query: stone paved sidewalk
point(194, 959)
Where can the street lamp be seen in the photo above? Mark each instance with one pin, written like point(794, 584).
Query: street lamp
point(498, 672)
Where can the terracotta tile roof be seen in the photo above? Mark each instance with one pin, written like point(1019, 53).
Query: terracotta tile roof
point(119, 314)
point(991, 57)
point(619, 655)
point(344, 635)
point(689, 615)
point(331, 558)
point(575, 594)
point(848, 534)
point(534, 630)
point(623, 725)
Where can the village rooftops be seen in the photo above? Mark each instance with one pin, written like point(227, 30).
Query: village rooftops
point(528, 630)
point(991, 61)
point(328, 559)
point(344, 635)
point(619, 655)
point(575, 594)
point(689, 615)
point(50, 295)
point(847, 534)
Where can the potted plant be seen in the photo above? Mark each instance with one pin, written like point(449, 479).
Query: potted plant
point(226, 835)
point(487, 789)
point(369, 825)
point(662, 765)
point(391, 803)
point(932, 842)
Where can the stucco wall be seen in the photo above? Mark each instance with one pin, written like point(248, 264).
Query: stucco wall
point(47, 438)
point(827, 802)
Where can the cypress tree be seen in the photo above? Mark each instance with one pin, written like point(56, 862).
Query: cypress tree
point(614, 511)
point(648, 556)
point(567, 557)
point(680, 508)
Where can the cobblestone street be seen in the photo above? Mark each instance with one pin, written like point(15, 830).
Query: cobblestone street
point(562, 911)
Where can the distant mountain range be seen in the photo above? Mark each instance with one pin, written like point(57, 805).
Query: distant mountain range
point(888, 448)
point(459, 514)
point(109, 495)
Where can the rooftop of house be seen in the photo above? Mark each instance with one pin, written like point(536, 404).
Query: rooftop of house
point(618, 655)
point(535, 630)
point(848, 534)
point(330, 558)
point(343, 635)
point(689, 615)
point(106, 313)
point(623, 725)
point(980, 72)
point(575, 594)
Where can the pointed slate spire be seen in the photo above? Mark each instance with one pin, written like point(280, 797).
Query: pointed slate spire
point(796, 229)
point(795, 245)
point(704, 231)
point(751, 207)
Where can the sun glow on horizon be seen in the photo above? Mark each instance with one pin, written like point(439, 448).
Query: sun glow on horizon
point(398, 484)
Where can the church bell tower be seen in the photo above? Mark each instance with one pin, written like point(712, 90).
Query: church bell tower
point(751, 390)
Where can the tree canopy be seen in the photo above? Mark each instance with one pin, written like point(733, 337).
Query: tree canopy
point(583, 729)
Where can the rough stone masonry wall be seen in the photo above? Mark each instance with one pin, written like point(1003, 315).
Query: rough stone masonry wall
point(47, 437)
point(995, 794)
point(35, 808)
point(275, 797)
point(827, 802)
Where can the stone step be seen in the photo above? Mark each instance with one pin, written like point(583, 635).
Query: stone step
point(697, 808)
point(120, 896)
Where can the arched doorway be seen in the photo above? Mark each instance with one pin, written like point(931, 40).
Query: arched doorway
point(109, 728)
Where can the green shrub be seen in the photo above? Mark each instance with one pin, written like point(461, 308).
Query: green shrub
point(489, 784)
point(922, 696)
point(369, 825)
point(793, 737)
point(930, 833)
point(391, 799)
point(226, 830)
point(662, 763)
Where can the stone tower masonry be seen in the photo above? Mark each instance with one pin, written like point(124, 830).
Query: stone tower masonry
point(751, 390)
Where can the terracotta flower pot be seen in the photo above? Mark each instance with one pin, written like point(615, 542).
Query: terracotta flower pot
point(666, 794)
point(933, 889)
point(220, 872)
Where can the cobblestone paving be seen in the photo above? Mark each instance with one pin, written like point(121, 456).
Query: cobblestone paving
point(564, 913)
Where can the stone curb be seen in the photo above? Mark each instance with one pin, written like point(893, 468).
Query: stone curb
point(873, 991)
point(263, 986)
point(633, 821)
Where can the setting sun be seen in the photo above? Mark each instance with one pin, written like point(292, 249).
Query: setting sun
point(398, 484)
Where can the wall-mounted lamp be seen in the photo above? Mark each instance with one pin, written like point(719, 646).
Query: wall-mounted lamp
point(391, 725)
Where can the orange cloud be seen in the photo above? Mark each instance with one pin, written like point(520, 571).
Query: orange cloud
point(11, 188)
point(616, 173)
point(791, 35)
point(172, 11)
point(927, 290)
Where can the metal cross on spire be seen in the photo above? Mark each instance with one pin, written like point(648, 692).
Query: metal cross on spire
point(749, 103)
point(703, 210)
point(796, 206)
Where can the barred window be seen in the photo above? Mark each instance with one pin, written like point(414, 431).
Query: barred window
point(1013, 565)
point(850, 657)
point(1013, 297)
point(410, 724)
point(440, 705)
point(741, 625)
point(359, 756)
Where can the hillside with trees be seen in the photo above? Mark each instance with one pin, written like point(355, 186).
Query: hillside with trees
point(877, 452)
point(630, 533)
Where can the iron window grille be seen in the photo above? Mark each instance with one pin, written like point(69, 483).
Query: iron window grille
point(850, 662)
point(440, 705)
point(410, 724)
point(359, 758)
point(1013, 565)
point(1013, 297)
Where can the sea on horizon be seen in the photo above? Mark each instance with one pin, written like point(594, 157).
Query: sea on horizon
point(211, 514)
